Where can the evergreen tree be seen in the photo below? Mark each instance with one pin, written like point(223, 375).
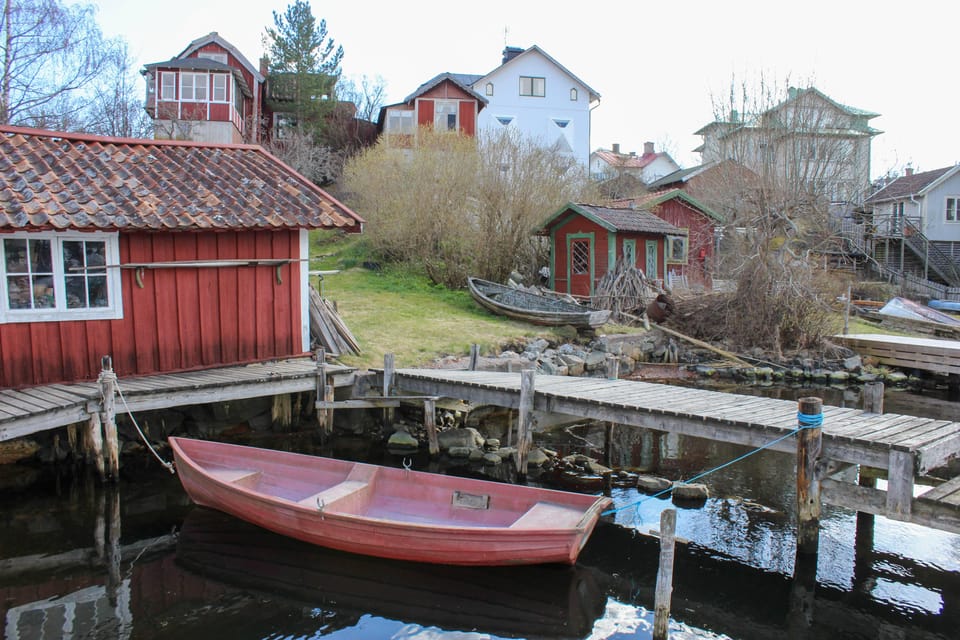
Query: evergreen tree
point(304, 66)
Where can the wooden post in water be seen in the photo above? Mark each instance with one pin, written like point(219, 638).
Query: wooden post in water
point(324, 421)
point(94, 443)
point(524, 427)
point(430, 422)
point(809, 442)
point(613, 366)
point(664, 589)
point(108, 387)
point(873, 397)
point(388, 373)
point(474, 357)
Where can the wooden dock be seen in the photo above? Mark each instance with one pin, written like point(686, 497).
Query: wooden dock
point(24, 412)
point(904, 446)
point(926, 354)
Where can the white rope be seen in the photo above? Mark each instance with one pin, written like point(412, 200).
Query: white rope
point(167, 465)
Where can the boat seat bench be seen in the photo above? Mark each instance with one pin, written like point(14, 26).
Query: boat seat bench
point(545, 514)
point(242, 477)
point(331, 494)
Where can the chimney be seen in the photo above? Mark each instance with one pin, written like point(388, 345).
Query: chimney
point(908, 171)
point(647, 148)
point(616, 148)
point(509, 53)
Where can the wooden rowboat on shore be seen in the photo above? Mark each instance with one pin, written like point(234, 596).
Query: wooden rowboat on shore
point(388, 512)
point(534, 308)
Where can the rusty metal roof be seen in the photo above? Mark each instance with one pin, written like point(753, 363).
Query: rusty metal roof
point(53, 180)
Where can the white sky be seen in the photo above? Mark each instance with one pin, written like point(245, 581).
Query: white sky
point(656, 65)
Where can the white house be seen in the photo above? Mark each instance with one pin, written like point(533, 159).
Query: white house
point(534, 93)
point(648, 167)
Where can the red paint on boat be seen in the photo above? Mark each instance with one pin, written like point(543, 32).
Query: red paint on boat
point(388, 512)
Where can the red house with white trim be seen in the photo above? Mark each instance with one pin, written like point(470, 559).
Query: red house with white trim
point(168, 256)
point(444, 103)
point(693, 255)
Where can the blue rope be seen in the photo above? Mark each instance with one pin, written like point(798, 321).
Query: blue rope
point(805, 420)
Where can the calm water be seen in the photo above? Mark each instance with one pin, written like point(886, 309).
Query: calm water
point(139, 561)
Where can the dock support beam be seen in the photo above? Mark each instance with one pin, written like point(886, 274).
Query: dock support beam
point(524, 426)
point(389, 372)
point(108, 388)
point(873, 397)
point(430, 422)
point(474, 357)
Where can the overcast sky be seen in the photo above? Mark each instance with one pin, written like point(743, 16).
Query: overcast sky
point(658, 66)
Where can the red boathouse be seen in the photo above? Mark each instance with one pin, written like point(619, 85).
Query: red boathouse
point(167, 256)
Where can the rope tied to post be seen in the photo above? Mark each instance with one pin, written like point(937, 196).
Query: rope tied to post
point(809, 420)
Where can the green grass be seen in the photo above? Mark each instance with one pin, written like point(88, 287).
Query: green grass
point(395, 310)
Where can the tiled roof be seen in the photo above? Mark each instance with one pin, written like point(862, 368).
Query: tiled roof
point(455, 78)
point(624, 160)
point(906, 186)
point(627, 219)
point(76, 181)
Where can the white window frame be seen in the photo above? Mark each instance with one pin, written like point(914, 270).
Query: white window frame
point(489, 89)
point(168, 91)
point(951, 214)
point(197, 80)
point(60, 312)
point(213, 55)
point(533, 84)
point(574, 94)
point(677, 241)
point(442, 110)
point(401, 121)
point(223, 80)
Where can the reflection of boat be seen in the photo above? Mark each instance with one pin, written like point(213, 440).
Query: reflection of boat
point(532, 307)
point(540, 601)
point(388, 512)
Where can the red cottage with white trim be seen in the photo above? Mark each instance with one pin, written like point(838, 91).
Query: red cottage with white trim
point(168, 256)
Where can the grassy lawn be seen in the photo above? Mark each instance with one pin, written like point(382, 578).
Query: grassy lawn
point(395, 311)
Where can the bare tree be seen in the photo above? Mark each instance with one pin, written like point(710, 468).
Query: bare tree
point(800, 160)
point(461, 206)
point(116, 104)
point(366, 93)
point(320, 164)
point(50, 50)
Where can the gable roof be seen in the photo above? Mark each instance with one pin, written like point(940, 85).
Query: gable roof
point(914, 185)
point(618, 219)
point(52, 180)
point(455, 78)
point(656, 198)
point(214, 38)
point(593, 94)
point(680, 175)
point(624, 160)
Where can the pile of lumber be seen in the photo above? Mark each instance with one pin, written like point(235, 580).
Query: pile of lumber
point(327, 329)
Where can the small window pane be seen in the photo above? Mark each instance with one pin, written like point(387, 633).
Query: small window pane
point(16, 253)
point(18, 292)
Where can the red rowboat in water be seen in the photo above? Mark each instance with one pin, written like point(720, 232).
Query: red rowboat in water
point(388, 512)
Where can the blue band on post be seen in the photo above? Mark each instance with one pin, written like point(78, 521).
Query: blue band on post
point(810, 419)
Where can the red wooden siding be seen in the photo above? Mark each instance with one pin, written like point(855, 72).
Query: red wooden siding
point(425, 113)
point(468, 118)
point(700, 240)
point(183, 318)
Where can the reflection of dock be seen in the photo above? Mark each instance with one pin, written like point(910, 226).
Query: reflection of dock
point(925, 354)
point(903, 446)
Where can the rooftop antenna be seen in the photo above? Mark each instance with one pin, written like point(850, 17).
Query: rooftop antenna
point(506, 30)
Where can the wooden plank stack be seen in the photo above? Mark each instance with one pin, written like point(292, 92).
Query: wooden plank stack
point(327, 329)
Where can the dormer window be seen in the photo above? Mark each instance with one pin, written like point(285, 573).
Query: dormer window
point(489, 89)
point(533, 87)
point(573, 94)
point(210, 55)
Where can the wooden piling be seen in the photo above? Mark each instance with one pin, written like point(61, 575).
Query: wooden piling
point(608, 445)
point(873, 397)
point(430, 422)
point(474, 357)
point(524, 423)
point(809, 443)
point(664, 589)
point(94, 443)
point(612, 366)
point(388, 377)
point(108, 388)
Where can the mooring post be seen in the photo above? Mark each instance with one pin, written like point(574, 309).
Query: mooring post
point(474, 357)
point(613, 366)
point(94, 443)
point(809, 442)
point(388, 373)
point(108, 387)
point(608, 444)
point(525, 419)
point(664, 589)
point(430, 422)
point(113, 550)
point(873, 397)
point(321, 390)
